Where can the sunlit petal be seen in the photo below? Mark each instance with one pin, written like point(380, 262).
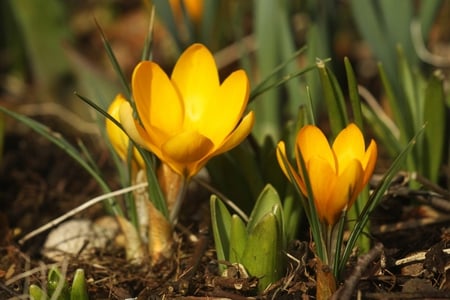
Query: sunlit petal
point(349, 184)
point(281, 157)
point(349, 145)
point(225, 110)
point(369, 161)
point(117, 137)
point(238, 135)
point(312, 142)
point(157, 102)
point(133, 128)
point(196, 78)
point(323, 181)
point(187, 147)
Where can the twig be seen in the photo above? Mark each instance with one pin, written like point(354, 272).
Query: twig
point(79, 209)
point(416, 257)
point(345, 292)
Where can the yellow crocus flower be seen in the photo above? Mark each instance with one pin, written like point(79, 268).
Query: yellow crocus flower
point(194, 9)
point(118, 138)
point(337, 174)
point(190, 117)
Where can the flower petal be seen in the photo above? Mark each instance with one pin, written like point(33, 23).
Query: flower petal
point(281, 156)
point(135, 130)
point(312, 143)
point(196, 78)
point(185, 149)
point(323, 182)
point(117, 137)
point(348, 186)
point(238, 135)
point(369, 161)
point(225, 109)
point(157, 101)
point(349, 145)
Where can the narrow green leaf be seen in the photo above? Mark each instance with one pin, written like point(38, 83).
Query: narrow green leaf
point(154, 189)
point(398, 15)
point(435, 135)
point(409, 86)
point(147, 49)
point(292, 215)
point(210, 11)
point(115, 63)
point(400, 109)
point(383, 133)
point(375, 199)
point(353, 94)
point(79, 288)
point(238, 239)
point(333, 99)
point(221, 225)
point(164, 11)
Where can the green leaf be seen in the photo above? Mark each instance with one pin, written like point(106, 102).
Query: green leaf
point(238, 239)
point(36, 293)
point(435, 135)
point(265, 203)
point(353, 94)
point(57, 285)
point(79, 288)
point(221, 225)
point(164, 12)
point(262, 255)
point(382, 131)
point(334, 99)
point(400, 109)
point(375, 199)
point(292, 211)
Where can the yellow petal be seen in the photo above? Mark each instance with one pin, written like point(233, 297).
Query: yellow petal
point(349, 145)
point(157, 102)
point(312, 143)
point(348, 186)
point(323, 181)
point(225, 109)
point(196, 78)
point(369, 161)
point(238, 135)
point(281, 156)
point(118, 138)
point(134, 130)
point(185, 149)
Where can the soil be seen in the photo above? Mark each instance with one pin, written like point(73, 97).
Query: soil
point(410, 258)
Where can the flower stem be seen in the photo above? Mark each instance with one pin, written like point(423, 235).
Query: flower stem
point(179, 200)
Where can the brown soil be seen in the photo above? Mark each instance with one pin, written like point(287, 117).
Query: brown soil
point(39, 182)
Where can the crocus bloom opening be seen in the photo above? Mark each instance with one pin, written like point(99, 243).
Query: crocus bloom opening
point(190, 117)
point(118, 138)
point(337, 174)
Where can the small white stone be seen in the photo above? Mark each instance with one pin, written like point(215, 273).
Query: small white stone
point(78, 237)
